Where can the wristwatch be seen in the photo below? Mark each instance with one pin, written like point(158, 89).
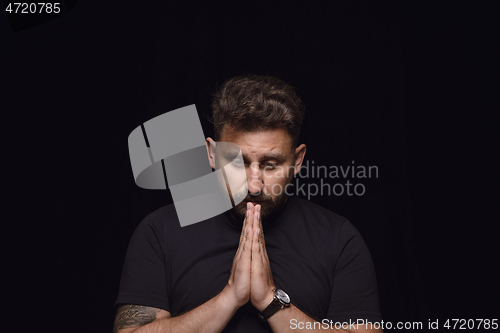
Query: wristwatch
point(280, 300)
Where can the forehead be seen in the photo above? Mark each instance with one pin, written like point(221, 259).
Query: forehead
point(258, 143)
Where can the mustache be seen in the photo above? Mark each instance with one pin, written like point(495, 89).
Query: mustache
point(248, 197)
point(259, 198)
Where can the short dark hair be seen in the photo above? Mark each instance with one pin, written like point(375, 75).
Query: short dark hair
point(257, 102)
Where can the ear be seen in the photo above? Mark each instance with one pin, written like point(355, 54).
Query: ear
point(211, 151)
point(300, 152)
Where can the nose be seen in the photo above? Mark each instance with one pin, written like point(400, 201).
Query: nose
point(254, 180)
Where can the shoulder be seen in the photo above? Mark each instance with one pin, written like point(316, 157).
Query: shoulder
point(160, 218)
point(164, 224)
point(154, 225)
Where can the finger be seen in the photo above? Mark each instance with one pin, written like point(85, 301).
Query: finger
point(261, 238)
point(258, 223)
point(240, 247)
point(250, 207)
point(256, 253)
point(266, 266)
point(256, 210)
point(242, 234)
point(241, 244)
point(237, 256)
point(262, 250)
point(245, 221)
point(246, 252)
point(250, 218)
point(245, 225)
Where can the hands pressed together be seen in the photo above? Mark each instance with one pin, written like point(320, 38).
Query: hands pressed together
point(251, 277)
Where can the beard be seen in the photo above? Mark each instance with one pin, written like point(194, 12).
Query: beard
point(269, 205)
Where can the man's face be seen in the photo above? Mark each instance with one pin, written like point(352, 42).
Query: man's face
point(270, 162)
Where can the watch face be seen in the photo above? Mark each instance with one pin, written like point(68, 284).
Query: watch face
point(282, 296)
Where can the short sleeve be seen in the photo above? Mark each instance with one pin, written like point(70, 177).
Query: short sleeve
point(354, 295)
point(143, 280)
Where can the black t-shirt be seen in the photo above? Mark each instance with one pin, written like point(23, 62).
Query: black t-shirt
point(317, 257)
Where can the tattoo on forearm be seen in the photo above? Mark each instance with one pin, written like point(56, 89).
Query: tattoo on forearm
point(130, 316)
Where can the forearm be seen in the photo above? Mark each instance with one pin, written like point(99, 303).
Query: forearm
point(292, 319)
point(210, 317)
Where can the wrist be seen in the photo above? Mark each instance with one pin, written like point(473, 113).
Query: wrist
point(280, 301)
point(227, 300)
point(261, 306)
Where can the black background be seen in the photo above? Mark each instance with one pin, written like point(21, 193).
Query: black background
point(406, 86)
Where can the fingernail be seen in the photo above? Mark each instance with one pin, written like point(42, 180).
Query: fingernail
point(258, 208)
point(248, 230)
point(247, 213)
point(258, 216)
point(258, 231)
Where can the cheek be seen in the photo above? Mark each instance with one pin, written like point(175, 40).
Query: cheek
point(277, 176)
point(235, 182)
point(275, 185)
point(236, 176)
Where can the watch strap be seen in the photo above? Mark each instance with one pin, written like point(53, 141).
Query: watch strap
point(272, 308)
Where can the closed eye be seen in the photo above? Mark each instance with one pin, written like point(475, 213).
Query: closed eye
point(269, 166)
point(238, 163)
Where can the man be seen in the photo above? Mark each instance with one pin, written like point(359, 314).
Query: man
point(274, 263)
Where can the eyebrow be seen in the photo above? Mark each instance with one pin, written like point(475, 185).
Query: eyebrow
point(230, 154)
point(270, 156)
